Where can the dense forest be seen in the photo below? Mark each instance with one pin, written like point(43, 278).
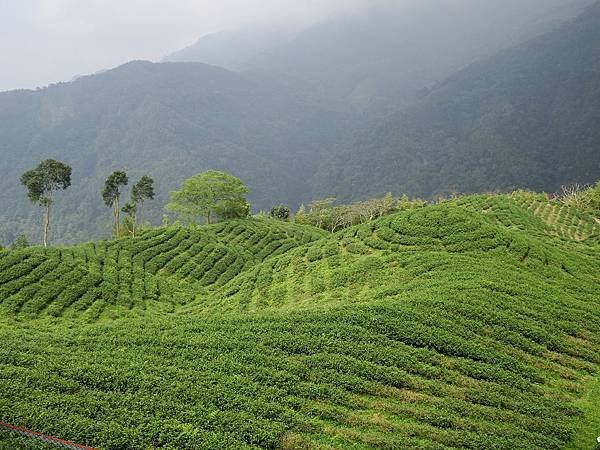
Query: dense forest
point(168, 120)
point(293, 122)
point(526, 117)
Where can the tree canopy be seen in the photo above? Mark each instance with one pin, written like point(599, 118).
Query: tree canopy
point(143, 190)
point(49, 176)
point(112, 193)
point(210, 194)
point(280, 212)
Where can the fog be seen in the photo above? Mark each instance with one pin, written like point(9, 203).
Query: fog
point(46, 41)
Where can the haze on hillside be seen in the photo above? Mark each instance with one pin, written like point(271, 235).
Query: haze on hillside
point(46, 41)
point(315, 86)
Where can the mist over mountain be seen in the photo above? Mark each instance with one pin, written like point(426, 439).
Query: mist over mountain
point(169, 120)
point(341, 224)
point(231, 49)
point(384, 54)
point(526, 117)
point(414, 98)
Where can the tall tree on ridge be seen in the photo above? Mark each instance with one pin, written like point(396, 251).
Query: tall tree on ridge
point(111, 195)
point(142, 190)
point(129, 222)
point(49, 176)
point(208, 194)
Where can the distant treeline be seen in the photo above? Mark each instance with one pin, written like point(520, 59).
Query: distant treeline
point(213, 196)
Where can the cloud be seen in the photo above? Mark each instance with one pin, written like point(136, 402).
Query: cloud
point(44, 41)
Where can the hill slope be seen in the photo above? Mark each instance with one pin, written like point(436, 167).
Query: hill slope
point(230, 49)
point(526, 117)
point(383, 54)
point(276, 125)
point(469, 324)
point(170, 120)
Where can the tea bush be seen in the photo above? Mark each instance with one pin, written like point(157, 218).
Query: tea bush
point(473, 324)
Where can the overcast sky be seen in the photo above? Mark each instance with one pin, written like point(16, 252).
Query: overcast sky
point(45, 41)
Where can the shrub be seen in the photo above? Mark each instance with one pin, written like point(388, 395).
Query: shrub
point(19, 243)
point(280, 212)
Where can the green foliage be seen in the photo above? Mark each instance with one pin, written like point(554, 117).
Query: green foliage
point(129, 209)
point(280, 212)
point(49, 176)
point(328, 216)
point(175, 120)
point(472, 132)
point(19, 243)
point(593, 200)
point(209, 194)
point(143, 190)
point(586, 199)
point(473, 323)
point(129, 226)
point(41, 183)
point(488, 128)
point(112, 187)
point(111, 194)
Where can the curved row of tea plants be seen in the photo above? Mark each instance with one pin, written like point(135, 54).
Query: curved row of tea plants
point(159, 270)
point(469, 324)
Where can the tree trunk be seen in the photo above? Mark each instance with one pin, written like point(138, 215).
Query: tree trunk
point(46, 224)
point(117, 217)
point(140, 214)
point(208, 218)
point(133, 225)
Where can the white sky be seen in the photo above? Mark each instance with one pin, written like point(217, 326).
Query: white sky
point(45, 41)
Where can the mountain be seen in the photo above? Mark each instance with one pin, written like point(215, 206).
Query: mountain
point(285, 122)
point(526, 117)
point(231, 49)
point(470, 324)
point(383, 55)
point(170, 120)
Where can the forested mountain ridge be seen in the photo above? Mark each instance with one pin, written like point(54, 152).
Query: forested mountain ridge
point(525, 117)
point(169, 120)
point(494, 125)
point(381, 56)
point(231, 49)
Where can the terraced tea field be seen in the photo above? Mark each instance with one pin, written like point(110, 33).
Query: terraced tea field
point(158, 271)
point(473, 324)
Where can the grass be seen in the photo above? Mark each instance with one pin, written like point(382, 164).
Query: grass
point(470, 324)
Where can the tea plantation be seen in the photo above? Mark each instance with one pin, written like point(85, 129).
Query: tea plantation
point(473, 323)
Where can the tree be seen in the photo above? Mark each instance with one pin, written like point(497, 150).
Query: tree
point(209, 194)
point(142, 190)
point(280, 212)
point(342, 216)
point(19, 243)
point(300, 216)
point(592, 200)
point(41, 183)
point(111, 195)
point(320, 212)
point(129, 222)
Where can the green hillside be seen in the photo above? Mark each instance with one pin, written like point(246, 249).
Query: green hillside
point(382, 56)
point(526, 117)
point(472, 323)
point(169, 120)
point(287, 122)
